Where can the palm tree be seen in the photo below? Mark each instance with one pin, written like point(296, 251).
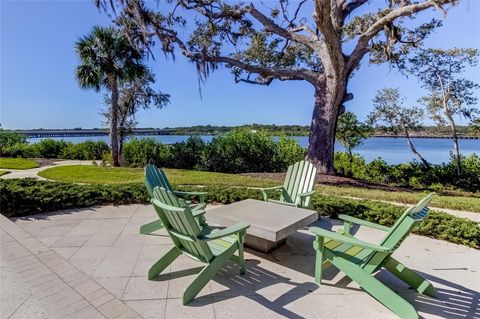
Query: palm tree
point(107, 59)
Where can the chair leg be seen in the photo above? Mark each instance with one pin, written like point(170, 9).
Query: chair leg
point(241, 258)
point(410, 277)
point(376, 288)
point(318, 246)
point(163, 263)
point(206, 275)
point(151, 227)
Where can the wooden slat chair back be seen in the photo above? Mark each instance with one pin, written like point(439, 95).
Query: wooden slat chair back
point(406, 223)
point(156, 177)
point(298, 187)
point(398, 232)
point(181, 225)
point(300, 179)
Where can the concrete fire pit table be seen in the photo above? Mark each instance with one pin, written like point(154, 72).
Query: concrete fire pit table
point(270, 223)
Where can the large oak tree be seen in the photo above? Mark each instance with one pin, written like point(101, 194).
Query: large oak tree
point(321, 42)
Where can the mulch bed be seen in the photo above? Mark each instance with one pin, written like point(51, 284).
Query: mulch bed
point(44, 161)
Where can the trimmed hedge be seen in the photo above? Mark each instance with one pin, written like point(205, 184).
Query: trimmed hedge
point(21, 197)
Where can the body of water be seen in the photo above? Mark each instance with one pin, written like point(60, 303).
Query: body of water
point(392, 150)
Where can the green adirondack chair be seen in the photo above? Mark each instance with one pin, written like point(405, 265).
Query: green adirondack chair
point(359, 259)
point(214, 248)
point(298, 187)
point(154, 177)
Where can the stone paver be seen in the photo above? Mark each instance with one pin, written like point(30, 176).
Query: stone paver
point(39, 283)
point(92, 263)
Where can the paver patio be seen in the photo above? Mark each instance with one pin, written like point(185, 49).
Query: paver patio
point(92, 263)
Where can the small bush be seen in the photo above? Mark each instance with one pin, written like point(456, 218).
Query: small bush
point(88, 150)
point(23, 150)
point(354, 166)
point(49, 148)
point(9, 138)
point(288, 151)
point(140, 152)
point(189, 154)
point(413, 174)
point(240, 151)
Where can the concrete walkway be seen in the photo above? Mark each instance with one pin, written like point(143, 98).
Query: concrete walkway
point(93, 263)
point(33, 172)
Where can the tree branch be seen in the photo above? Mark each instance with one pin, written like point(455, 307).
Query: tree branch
point(275, 28)
point(362, 45)
point(351, 6)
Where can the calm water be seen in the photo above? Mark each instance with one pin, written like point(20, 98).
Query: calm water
point(392, 150)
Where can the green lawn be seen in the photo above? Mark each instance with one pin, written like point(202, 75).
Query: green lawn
point(17, 163)
point(110, 175)
point(2, 172)
point(115, 175)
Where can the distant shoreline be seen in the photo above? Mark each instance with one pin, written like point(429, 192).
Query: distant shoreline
point(93, 133)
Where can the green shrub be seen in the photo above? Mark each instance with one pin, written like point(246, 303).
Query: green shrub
point(240, 151)
point(189, 154)
point(140, 152)
point(354, 166)
point(9, 138)
point(20, 197)
point(412, 174)
point(24, 150)
point(88, 150)
point(288, 151)
point(49, 148)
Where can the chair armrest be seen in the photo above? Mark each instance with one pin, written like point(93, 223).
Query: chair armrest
point(270, 188)
point(234, 229)
point(347, 240)
point(306, 194)
point(362, 222)
point(267, 190)
point(201, 195)
point(158, 203)
point(198, 212)
point(200, 206)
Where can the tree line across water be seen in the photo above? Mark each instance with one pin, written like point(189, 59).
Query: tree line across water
point(288, 130)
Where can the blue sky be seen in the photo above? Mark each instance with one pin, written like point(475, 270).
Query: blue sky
point(38, 88)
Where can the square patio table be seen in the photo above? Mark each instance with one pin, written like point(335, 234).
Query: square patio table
point(270, 223)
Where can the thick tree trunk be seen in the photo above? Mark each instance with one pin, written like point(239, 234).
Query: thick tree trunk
point(112, 81)
point(322, 128)
point(414, 150)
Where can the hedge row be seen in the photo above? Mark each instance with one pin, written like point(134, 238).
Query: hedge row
point(21, 197)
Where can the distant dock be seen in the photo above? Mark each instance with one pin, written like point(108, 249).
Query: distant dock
point(84, 133)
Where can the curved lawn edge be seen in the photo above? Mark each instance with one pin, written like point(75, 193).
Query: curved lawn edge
point(86, 174)
point(3, 172)
point(17, 163)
